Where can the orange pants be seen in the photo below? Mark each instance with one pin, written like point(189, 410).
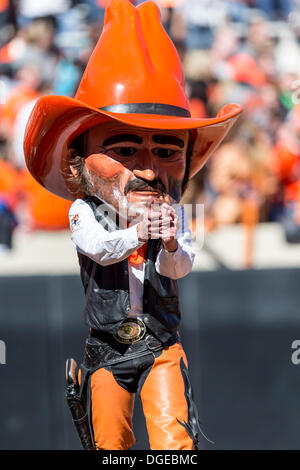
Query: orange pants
point(162, 392)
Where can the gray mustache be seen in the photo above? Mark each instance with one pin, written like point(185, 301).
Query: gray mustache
point(140, 185)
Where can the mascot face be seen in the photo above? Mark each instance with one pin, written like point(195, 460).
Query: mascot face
point(134, 165)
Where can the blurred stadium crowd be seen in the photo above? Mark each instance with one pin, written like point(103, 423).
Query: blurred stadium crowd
point(243, 51)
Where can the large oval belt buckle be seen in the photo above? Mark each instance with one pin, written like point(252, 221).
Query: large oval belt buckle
point(131, 331)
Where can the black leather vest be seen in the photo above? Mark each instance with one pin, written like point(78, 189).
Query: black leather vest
point(107, 291)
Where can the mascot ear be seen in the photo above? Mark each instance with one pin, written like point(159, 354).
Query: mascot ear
point(74, 171)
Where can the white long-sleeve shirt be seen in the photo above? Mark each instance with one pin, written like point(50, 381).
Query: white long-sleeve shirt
point(93, 240)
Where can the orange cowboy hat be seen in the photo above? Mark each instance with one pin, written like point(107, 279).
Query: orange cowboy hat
point(134, 76)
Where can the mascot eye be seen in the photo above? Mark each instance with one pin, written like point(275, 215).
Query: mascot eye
point(124, 151)
point(163, 153)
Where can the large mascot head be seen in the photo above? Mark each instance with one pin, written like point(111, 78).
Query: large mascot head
point(128, 133)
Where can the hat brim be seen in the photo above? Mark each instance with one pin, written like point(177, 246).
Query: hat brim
point(55, 121)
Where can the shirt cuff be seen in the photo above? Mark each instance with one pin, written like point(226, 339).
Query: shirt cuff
point(164, 253)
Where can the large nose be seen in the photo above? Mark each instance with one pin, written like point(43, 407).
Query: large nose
point(146, 167)
point(148, 174)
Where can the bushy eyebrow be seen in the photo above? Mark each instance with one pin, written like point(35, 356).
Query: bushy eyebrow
point(168, 140)
point(116, 139)
point(158, 139)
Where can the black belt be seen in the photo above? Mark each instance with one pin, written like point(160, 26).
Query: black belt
point(148, 342)
point(102, 349)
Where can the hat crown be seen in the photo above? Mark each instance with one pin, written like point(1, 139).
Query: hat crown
point(134, 61)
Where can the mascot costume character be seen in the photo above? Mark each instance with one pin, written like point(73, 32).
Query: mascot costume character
point(123, 150)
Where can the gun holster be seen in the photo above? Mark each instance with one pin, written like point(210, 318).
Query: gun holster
point(78, 402)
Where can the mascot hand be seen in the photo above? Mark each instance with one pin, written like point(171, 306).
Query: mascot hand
point(159, 221)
